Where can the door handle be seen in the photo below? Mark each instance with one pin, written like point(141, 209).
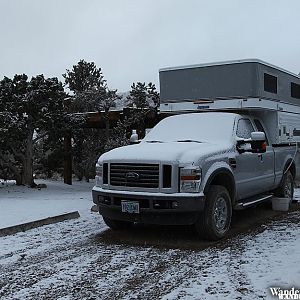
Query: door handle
point(260, 156)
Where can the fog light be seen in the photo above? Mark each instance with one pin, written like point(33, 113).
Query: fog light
point(104, 200)
point(174, 204)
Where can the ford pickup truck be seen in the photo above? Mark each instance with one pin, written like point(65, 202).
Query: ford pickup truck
point(193, 169)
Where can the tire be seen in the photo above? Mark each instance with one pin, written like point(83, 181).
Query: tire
point(214, 223)
point(116, 224)
point(287, 186)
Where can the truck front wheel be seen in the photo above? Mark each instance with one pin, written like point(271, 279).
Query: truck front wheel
point(116, 224)
point(214, 222)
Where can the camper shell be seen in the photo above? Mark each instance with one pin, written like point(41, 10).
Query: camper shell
point(226, 80)
point(245, 86)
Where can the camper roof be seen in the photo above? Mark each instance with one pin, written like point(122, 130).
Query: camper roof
point(229, 62)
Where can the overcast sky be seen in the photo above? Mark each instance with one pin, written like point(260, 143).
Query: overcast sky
point(132, 39)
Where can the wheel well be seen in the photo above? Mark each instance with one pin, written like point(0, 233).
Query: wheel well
point(225, 180)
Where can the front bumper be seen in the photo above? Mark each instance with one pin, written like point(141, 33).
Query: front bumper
point(155, 208)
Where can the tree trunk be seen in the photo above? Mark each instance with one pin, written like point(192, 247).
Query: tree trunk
point(18, 179)
point(27, 174)
point(68, 157)
point(107, 127)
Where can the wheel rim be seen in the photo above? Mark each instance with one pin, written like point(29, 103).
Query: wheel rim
point(220, 214)
point(288, 188)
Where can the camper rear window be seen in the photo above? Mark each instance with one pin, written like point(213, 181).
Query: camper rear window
point(295, 90)
point(270, 83)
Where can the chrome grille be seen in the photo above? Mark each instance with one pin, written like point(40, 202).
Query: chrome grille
point(134, 175)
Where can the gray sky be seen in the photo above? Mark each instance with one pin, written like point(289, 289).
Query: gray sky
point(132, 39)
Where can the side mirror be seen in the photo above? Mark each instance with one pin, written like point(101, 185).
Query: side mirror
point(258, 142)
point(258, 136)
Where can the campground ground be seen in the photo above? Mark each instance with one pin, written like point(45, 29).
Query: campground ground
point(83, 259)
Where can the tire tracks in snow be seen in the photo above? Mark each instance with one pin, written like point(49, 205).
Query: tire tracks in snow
point(72, 261)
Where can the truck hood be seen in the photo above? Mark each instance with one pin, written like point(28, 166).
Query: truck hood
point(182, 152)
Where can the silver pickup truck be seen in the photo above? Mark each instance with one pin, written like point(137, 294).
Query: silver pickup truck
point(193, 169)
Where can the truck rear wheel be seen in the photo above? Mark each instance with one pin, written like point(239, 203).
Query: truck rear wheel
point(286, 188)
point(116, 224)
point(214, 222)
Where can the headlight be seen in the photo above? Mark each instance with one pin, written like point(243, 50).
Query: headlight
point(190, 179)
point(99, 174)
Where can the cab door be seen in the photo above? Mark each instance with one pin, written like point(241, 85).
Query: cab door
point(249, 171)
point(267, 161)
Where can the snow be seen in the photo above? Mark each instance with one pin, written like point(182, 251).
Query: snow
point(19, 204)
point(249, 268)
point(187, 152)
point(83, 259)
point(181, 138)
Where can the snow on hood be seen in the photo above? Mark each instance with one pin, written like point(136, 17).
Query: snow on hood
point(182, 152)
point(183, 138)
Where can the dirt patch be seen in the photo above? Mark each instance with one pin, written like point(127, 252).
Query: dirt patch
point(185, 237)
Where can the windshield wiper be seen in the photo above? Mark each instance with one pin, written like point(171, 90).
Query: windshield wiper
point(188, 141)
point(153, 141)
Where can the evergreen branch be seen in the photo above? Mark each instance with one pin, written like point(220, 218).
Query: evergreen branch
point(39, 137)
point(18, 155)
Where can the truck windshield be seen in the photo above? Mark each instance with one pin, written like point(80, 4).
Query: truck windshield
point(194, 127)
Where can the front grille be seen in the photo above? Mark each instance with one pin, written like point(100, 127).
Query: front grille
point(134, 175)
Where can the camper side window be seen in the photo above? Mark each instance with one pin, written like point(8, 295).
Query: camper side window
point(270, 83)
point(244, 129)
point(295, 90)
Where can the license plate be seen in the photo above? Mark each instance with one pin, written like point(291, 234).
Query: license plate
point(130, 207)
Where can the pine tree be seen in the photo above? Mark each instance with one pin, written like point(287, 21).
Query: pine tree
point(84, 76)
point(89, 93)
point(145, 99)
point(89, 88)
point(143, 96)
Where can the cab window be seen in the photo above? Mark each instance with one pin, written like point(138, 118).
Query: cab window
point(244, 129)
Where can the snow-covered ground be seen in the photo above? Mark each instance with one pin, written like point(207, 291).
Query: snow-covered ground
point(20, 204)
point(76, 259)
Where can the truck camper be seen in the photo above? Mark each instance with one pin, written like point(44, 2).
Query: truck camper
point(230, 142)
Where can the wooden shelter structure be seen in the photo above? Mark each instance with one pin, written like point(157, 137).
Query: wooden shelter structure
point(99, 120)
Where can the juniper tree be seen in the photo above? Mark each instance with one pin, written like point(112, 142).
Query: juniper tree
point(30, 110)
